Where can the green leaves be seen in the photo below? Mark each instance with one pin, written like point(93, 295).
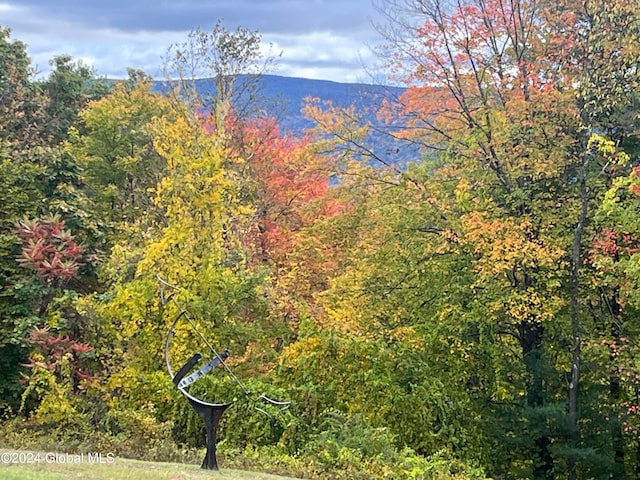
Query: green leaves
point(116, 150)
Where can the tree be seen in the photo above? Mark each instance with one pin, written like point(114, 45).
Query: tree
point(613, 248)
point(218, 72)
point(69, 87)
point(480, 96)
point(37, 181)
point(114, 145)
point(509, 96)
point(288, 176)
point(605, 65)
point(21, 101)
point(18, 192)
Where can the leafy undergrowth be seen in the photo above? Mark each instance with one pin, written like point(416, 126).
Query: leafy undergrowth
point(347, 454)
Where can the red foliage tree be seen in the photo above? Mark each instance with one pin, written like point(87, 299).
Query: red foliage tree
point(290, 180)
point(53, 349)
point(50, 250)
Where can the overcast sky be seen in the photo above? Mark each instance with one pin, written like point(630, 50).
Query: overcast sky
point(321, 39)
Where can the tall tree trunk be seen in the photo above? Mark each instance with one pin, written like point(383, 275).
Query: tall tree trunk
point(574, 293)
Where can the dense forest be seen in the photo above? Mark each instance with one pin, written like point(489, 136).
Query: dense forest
point(472, 315)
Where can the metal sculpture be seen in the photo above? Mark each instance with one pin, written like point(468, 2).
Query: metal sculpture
point(211, 413)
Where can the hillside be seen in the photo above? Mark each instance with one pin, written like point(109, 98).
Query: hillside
point(287, 96)
point(284, 97)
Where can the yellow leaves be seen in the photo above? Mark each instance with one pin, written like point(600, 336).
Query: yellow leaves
point(527, 306)
point(505, 244)
point(407, 335)
point(519, 262)
point(303, 348)
point(132, 308)
point(608, 149)
point(345, 317)
point(184, 145)
point(196, 180)
point(56, 406)
point(463, 192)
point(342, 124)
point(56, 402)
point(197, 196)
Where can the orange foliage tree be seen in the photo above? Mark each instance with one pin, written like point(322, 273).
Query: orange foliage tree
point(505, 97)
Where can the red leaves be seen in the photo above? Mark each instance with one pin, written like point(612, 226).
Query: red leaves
point(49, 249)
point(288, 178)
point(53, 350)
point(612, 244)
point(635, 186)
point(56, 346)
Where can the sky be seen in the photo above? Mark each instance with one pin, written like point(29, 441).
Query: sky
point(319, 39)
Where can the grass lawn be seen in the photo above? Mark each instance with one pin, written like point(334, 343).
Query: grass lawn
point(22, 465)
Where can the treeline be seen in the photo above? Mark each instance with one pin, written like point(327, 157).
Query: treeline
point(474, 315)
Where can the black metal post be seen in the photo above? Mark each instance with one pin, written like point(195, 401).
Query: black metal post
point(211, 415)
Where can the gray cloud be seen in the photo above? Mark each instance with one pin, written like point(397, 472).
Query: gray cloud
point(292, 16)
point(318, 38)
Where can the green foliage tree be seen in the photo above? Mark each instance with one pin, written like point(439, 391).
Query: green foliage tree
point(22, 169)
point(38, 180)
point(114, 146)
point(68, 88)
point(21, 102)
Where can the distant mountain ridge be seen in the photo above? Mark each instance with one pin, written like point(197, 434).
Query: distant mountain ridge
point(292, 92)
point(366, 98)
point(284, 97)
